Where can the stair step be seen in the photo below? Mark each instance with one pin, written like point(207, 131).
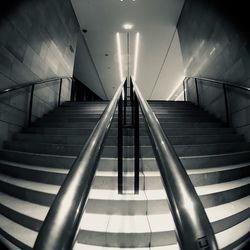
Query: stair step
point(44, 160)
point(136, 231)
point(27, 214)
point(21, 236)
point(86, 124)
point(204, 161)
point(54, 139)
point(33, 173)
point(35, 192)
point(211, 195)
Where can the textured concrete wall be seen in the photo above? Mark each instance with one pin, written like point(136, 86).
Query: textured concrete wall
point(214, 37)
point(37, 41)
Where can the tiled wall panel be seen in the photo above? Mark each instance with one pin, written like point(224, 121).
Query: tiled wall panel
point(37, 41)
point(215, 42)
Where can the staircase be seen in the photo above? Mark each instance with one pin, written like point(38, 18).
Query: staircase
point(34, 164)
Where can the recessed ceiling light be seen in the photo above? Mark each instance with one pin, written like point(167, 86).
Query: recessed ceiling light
point(127, 26)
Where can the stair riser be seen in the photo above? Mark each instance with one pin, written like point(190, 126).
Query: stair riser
point(129, 240)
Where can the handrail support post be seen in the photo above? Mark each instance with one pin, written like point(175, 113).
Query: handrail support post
point(136, 146)
point(226, 104)
point(197, 92)
point(120, 146)
point(31, 104)
point(59, 94)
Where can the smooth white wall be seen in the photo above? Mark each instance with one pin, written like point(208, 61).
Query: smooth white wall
point(171, 75)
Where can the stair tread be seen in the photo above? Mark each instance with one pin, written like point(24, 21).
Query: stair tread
point(222, 187)
point(22, 234)
point(217, 169)
point(109, 194)
point(35, 186)
point(33, 167)
point(29, 209)
point(211, 155)
point(40, 154)
point(225, 210)
point(130, 223)
point(230, 235)
point(203, 170)
point(160, 194)
point(79, 246)
point(215, 213)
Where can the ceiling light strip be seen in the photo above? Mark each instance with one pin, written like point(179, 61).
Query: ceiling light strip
point(137, 39)
point(118, 40)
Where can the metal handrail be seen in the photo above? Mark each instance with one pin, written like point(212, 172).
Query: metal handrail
point(193, 228)
point(224, 85)
point(60, 227)
point(230, 84)
point(33, 83)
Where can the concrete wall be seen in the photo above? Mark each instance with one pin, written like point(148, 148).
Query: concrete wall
point(214, 40)
point(37, 41)
point(172, 73)
point(85, 69)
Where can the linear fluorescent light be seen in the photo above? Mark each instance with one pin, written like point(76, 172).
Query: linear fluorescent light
point(136, 54)
point(118, 41)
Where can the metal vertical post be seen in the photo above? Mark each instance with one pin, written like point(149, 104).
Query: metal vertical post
point(226, 104)
point(125, 103)
point(197, 92)
point(31, 104)
point(132, 101)
point(120, 146)
point(184, 91)
point(59, 94)
point(136, 145)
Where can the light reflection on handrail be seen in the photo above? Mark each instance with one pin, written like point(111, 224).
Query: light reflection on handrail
point(28, 84)
point(192, 225)
point(230, 84)
point(61, 225)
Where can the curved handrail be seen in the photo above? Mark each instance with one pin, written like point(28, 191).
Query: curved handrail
point(25, 85)
point(193, 227)
point(60, 227)
point(230, 84)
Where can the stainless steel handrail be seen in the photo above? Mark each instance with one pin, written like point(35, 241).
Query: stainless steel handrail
point(192, 225)
point(61, 225)
point(26, 85)
point(230, 84)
